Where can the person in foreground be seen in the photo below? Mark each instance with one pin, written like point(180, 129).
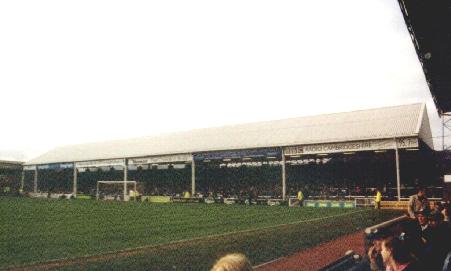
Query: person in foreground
point(232, 262)
point(397, 256)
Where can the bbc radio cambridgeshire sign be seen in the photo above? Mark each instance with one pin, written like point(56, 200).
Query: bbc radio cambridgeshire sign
point(161, 159)
point(364, 145)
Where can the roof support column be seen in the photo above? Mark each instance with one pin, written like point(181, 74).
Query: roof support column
point(443, 133)
point(35, 181)
point(135, 193)
point(398, 179)
point(125, 178)
point(284, 184)
point(22, 181)
point(97, 191)
point(74, 187)
point(193, 178)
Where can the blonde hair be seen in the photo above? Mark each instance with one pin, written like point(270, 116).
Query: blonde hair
point(232, 262)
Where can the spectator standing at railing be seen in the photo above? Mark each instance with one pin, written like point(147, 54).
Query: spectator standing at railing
point(437, 207)
point(439, 241)
point(422, 218)
point(357, 190)
point(445, 212)
point(426, 232)
point(417, 203)
point(434, 240)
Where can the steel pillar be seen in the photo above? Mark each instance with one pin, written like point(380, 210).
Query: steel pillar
point(125, 178)
point(193, 178)
point(284, 184)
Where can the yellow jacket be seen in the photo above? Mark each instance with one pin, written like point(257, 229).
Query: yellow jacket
point(300, 195)
point(378, 196)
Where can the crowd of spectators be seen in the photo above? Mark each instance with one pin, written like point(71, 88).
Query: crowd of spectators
point(423, 242)
point(336, 179)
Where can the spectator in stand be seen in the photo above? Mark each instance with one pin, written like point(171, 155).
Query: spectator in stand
point(439, 242)
point(232, 262)
point(445, 212)
point(417, 203)
point(427, 233)
point(423, 220)
point(411, 232)
point(357, 191)
point(397, 255)
point(436, 220)
point(437, 207)
point(434, 240)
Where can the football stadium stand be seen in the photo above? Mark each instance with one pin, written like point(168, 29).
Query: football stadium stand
point(331, 155)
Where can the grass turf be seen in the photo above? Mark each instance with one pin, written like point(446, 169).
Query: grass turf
point(39, 230)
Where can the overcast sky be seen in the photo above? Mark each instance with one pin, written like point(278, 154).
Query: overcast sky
point(82, 71)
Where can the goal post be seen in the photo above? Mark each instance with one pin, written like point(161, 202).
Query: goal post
point(120, 184)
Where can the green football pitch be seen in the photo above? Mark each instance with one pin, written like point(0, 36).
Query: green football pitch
point(88, 234)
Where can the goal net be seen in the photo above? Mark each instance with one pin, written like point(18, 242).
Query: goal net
point(114, 190)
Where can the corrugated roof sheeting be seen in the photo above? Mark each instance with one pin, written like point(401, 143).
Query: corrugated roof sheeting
point(388, 122)
point(425, 130)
